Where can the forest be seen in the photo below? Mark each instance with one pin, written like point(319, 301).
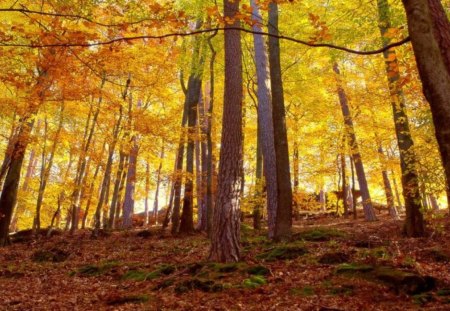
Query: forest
point(224, 155)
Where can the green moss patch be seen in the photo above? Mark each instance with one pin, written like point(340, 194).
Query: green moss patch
point(95, 270)
point(258, 270)
point(254, 281)
point(283, 252)
point(319, 234)
point(398, 280)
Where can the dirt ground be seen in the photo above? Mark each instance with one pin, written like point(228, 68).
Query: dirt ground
point(331, 264)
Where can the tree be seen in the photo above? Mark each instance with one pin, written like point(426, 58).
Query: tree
point(225, 237)
point(435, 79)
point(283, 223)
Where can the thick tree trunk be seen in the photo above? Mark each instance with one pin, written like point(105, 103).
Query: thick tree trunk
point(225, 237)
point(441, 29)
point(8, 197)
point(283, 224)
point(436, 87)
point(265, 120)
point(354, 149)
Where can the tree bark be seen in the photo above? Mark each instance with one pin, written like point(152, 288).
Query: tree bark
point(411, 194)
point(283, 224)
point(158, 182)
point(354, 149)
point(265, 121)
point(115, 196)
point(225, 237)
point(436, 87)
point(46, 168)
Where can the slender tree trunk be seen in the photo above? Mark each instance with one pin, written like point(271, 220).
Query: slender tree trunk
point(434, 203)
point(411, 194)
point(107, 175)
point(354, 148)
point(128, 204)
point(387, 185)
point(259, 183)
point(192, 102)
point(283, 224)
point(355, 210)
point(225, 237)
point(115, 196)
point(158, 182)
point(46, 168)
point(296, 163)
point(344, 184)
point(90, 193)
point(265, 122)
point(210, 163)
point(147, 189)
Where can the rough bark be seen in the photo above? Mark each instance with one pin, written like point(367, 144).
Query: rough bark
point(265, 120)
point(410, 185)
point(354, 149)
point(283, 224)
point(225, 237)
point(128, 204)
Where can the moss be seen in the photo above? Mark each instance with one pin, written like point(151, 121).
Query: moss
point(319, 234)
point(135, 275)
point(398, 280)
point(443, 292)
point(345, 289)
point(351, 268)
point(422, 299)
point(94, 270)
point(258, 270)
point(283, 252)
point(254, 281)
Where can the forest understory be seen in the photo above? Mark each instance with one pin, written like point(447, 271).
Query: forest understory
point(330, 264)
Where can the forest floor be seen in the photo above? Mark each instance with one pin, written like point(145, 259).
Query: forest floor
point(330, 264)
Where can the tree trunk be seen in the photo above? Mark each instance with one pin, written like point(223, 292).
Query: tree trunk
point(265, 120)
point(353, 198)
point(46, 168)
point(147, 189)
point(128, 204)
point(387, 186)
point(225, 237)
point(441, 29)
point(115, 196)
point(283, 224)
point(8, 197)
point(354, 149)
point(158, 181)
point(411, 194)
point(259, 184)
point(107, 175)
point(210, 162)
